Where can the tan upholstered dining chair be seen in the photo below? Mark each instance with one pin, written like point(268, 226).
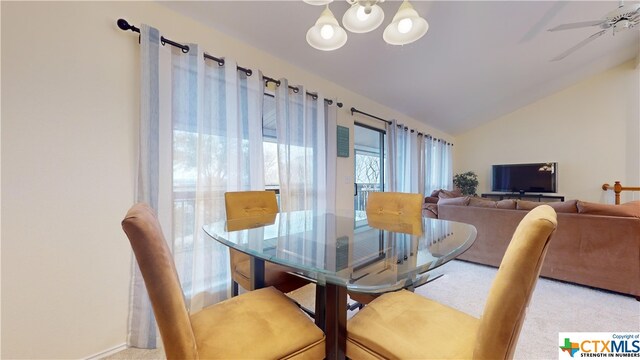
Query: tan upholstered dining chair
point(262, 324)
point(388, 207)
point(403, 325)
point(243, 204)
point(395, 203)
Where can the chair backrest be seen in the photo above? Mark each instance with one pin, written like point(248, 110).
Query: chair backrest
point(407, 224)
point(241, 204)
point(513, 285)
point(394, 203)
point(161, 279)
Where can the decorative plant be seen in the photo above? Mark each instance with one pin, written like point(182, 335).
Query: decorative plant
point(466, 182)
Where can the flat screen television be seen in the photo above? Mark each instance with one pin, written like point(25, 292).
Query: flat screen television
point(538, 178)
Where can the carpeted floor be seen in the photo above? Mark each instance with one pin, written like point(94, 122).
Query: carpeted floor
point(555, 307)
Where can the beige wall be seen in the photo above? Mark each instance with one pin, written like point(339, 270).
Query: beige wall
point(69, 131)
point(592, 129)
point(67, 159)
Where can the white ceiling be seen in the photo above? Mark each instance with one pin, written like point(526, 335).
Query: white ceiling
point(478, 61)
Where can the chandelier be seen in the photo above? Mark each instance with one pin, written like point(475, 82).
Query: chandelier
point(364, 16)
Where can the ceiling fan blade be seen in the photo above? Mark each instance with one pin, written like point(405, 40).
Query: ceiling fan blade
point(578, 25)
point(579, 45)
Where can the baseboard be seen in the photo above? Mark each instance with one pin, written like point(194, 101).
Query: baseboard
point(107, 352)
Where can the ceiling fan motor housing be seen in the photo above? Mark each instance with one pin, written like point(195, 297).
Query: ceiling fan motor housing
point(622, 18)
point(622, 25)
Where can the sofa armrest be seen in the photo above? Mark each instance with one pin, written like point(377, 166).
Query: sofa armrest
point(430, 211)
point(431, 200)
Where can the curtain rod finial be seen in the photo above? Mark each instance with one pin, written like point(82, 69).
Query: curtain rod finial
point(123, 24)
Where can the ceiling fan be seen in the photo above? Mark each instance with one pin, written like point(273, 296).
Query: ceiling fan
point(623, 18)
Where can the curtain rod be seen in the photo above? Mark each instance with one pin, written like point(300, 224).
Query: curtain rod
point(354, 110)
point(124, 25)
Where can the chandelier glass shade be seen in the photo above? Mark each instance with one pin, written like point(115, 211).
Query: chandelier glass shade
point(406, 27)
point(364, 16)
point(362, 19)
point(326, 34)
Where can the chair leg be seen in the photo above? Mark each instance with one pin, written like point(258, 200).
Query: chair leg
point(234, 288)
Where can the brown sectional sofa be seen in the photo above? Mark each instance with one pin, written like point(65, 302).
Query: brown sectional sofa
point(595, 245)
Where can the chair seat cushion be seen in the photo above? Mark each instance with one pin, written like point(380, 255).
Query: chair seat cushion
point(261, 324)
point(403, 325)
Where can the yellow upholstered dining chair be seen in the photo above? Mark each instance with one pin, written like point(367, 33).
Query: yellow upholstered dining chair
point(394, 203)
point(392, 211)
point(403, 325)
point(262, 324)
point(244, 204)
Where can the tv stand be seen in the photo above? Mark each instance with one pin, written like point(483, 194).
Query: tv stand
point(521, 196)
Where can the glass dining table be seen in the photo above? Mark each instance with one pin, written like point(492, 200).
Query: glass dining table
point(363, 254)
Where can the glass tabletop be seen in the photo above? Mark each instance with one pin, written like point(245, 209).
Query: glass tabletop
point(373, 254)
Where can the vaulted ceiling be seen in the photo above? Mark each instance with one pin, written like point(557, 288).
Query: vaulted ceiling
point(478, 61)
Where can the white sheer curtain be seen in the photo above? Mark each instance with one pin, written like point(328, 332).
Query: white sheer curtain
point(417, 163)
point(306, 132)
point(200, 136)
point(405, 159)
point(438, 165)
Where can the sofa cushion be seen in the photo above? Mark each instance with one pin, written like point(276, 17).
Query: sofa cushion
point(635, 203)
point(569, 206)
point(558, 206)
point(630, 209)
point(464, 201)
point(446, 194)
point(527, 205)
point(506, 204)
point(481, 202)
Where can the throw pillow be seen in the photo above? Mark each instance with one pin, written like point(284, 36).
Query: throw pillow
point(527, 205)
point(558, 206)
point(634, 206)
point(635, 203)
point(480, 202)
point(446, 194)
point(569, 206)
point(630, 209)
point(462, 201)
point(509, 204)
point(506, 204)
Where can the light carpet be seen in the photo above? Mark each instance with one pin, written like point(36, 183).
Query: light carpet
point(555, 307)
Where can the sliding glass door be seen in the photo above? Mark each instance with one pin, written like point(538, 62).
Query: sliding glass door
point(369, 164)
